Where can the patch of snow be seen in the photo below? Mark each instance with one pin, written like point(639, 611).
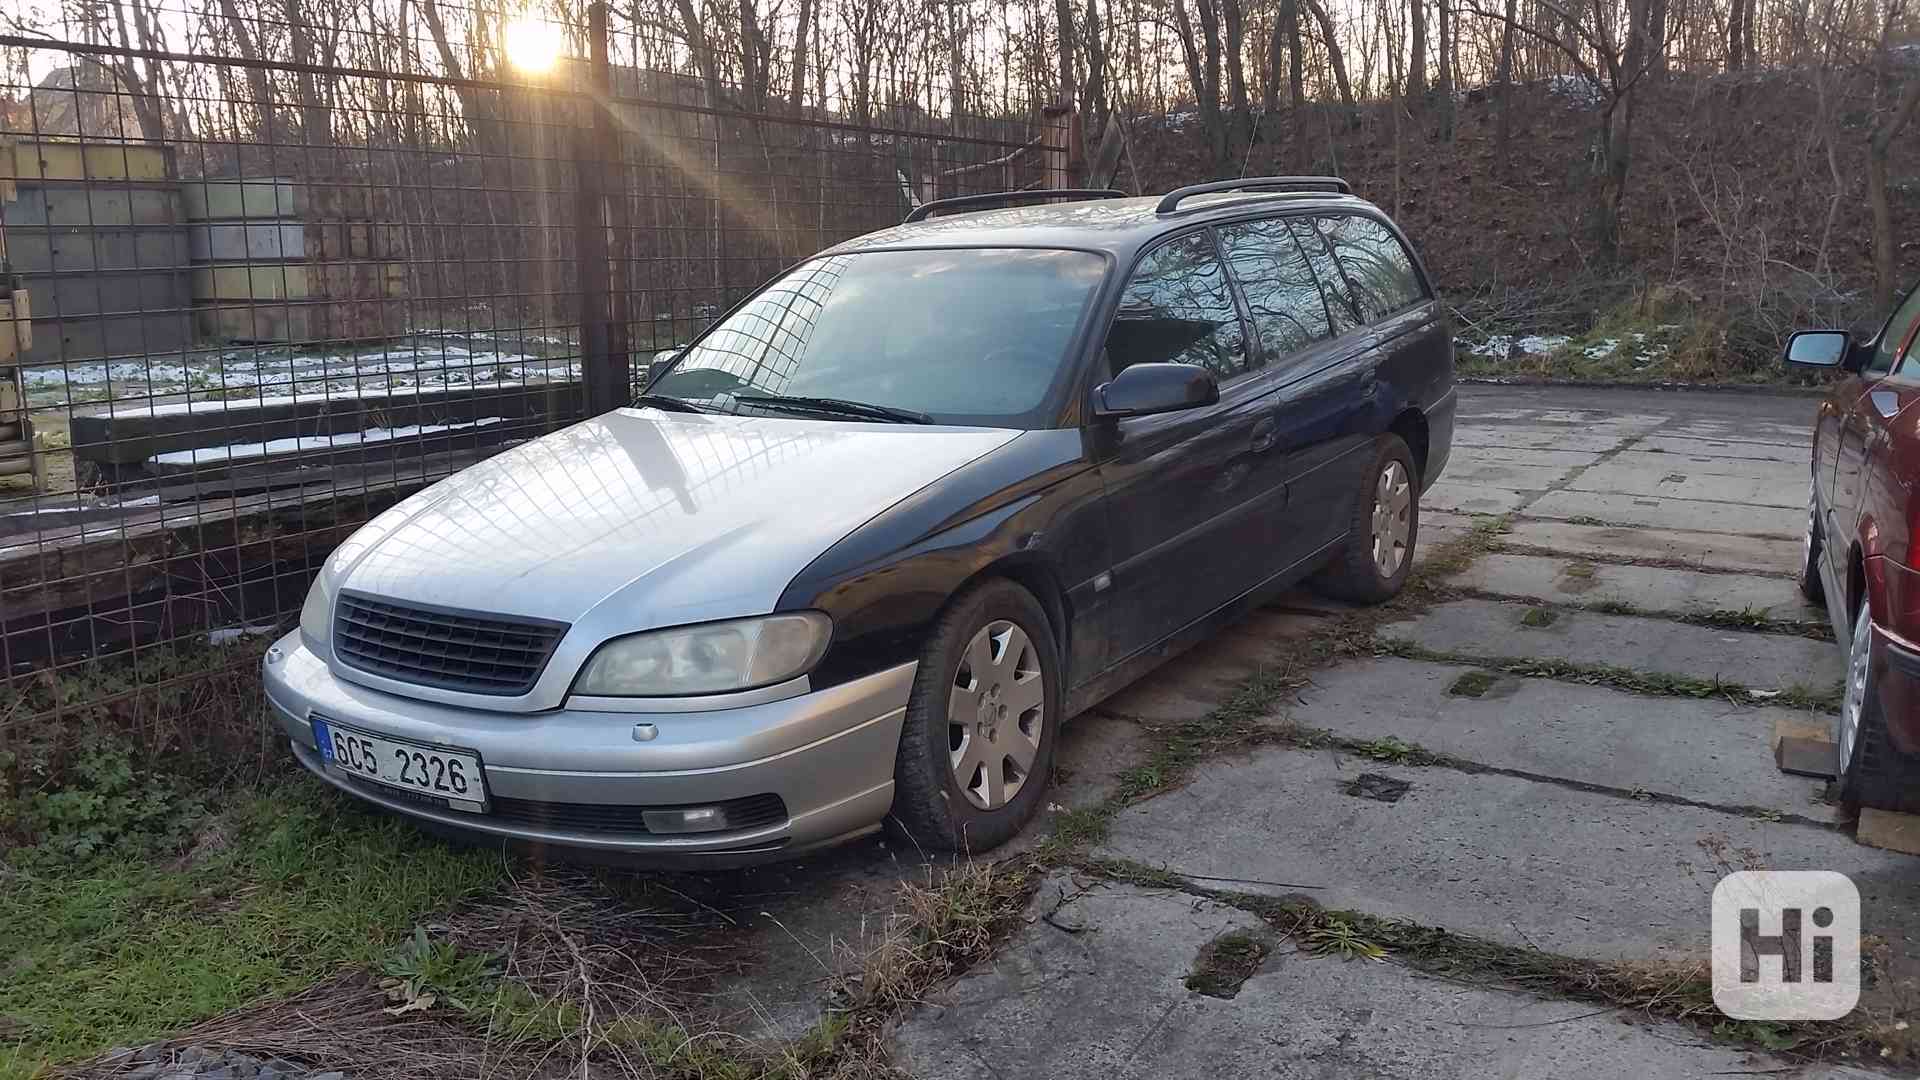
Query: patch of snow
point(215, 454)
point(230, 634)
point(1539, 344)
point(144, 500)
point(1601, 349)
point(1577, 90)
point(283, 372)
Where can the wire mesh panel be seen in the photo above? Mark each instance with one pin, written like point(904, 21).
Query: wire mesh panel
point(269, 271)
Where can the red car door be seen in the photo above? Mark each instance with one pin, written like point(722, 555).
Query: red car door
point(1864, 403)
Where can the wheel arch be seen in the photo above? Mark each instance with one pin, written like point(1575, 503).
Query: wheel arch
point(1411, 425)
point(1036, 573)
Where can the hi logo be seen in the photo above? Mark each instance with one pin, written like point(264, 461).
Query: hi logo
point(1786, 945)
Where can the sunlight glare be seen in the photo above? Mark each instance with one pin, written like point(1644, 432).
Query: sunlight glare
point(533, 45)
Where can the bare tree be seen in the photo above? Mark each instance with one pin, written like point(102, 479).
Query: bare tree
point(1417, 48)
point(1892, 110)
point(1204, 74)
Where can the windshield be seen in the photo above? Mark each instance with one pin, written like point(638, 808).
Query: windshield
point(965, 336)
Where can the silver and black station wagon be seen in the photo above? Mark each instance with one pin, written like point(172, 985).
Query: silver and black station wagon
point(865, 544)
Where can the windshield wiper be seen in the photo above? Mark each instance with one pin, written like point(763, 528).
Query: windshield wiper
point(670, 404)
point(842, 406)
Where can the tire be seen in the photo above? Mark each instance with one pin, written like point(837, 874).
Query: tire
point(1812, 546)
point(976, 750)
point(1872, 772)
point(1372, 565)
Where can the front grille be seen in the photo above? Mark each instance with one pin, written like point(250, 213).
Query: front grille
point(441, 647)
point(752, 812)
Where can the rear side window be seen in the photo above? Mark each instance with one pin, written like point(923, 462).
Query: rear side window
point(1282, 295)
point(1333, 283)
point(1382, 273)
point(1178, 310)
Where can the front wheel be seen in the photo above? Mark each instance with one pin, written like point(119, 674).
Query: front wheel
point(1872, 772)
point(1810, 551)
point(1372, 565)
point(976, 749)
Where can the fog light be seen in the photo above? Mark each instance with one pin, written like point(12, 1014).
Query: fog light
point(692, 819)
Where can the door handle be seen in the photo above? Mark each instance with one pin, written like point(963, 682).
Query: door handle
point(1265, 434)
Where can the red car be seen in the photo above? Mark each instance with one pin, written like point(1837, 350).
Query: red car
point(1861, 519)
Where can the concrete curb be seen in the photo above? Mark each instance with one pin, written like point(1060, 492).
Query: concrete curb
point(1603, 384)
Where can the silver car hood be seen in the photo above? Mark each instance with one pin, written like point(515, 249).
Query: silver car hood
point(642, 519)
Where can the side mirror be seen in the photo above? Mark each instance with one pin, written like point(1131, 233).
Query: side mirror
point(1145, 389)
point(1819, 348)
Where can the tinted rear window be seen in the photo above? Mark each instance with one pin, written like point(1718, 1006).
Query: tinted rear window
point(1382, 273)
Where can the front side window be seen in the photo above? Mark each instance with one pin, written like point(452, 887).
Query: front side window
point(1282, 295)
point(1382, 273)
point(1898, 330)
point(1178, 310)
point(965, 335)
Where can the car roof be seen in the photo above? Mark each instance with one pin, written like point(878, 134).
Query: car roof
point(1118, 227)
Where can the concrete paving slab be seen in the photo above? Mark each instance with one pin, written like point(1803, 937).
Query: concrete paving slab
point(1561, 460)
point(1750, 429)
point(1707, 751)
point(1720, 550)
point(1194, 683)
point(1726, 448)
point(1106, 1000)
point(1464, 498)
point(1677, 480)
point(1671, 513)
point(1486, 472)
point(1497, 857)
point(1437, 529)
point(1490, 629)
point(1648, 588)
point(1779, 472)
point(795, 926)
point(1477, 433)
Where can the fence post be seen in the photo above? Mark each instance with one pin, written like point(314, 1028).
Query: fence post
point(605, 361)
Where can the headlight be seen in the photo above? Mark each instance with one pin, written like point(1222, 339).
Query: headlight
point(709, 658)
point(316, 615)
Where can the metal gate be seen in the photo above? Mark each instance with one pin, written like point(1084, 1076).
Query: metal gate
point(277, 275)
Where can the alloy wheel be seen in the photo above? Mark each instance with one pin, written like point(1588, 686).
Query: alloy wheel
point(1392, 518)
point(1806, 541)
point(1854, 703)
point(995, 715)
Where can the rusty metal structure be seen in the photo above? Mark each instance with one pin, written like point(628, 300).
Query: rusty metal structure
point(255, 299)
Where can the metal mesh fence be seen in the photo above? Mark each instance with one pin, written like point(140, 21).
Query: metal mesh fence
point(270, 276)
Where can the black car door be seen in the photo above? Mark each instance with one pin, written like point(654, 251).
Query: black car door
point(1186, 516)
point(1413, 343)
point(1309, 373)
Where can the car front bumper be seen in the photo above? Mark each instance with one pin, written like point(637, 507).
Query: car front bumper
point(571, 775)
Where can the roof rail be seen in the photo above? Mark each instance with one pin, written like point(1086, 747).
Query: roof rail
point(1254, 183)
point(1001, 198)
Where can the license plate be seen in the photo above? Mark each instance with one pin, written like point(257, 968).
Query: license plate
point(448, 777)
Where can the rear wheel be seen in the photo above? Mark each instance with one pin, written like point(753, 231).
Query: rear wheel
point(1373, 564)
point(1872, 772)
point(976, 750)
point(1811, 549)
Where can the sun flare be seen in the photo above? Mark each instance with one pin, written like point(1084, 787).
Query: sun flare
point(533, 45)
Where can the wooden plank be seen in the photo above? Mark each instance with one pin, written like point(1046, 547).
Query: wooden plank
point(1885, 829)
